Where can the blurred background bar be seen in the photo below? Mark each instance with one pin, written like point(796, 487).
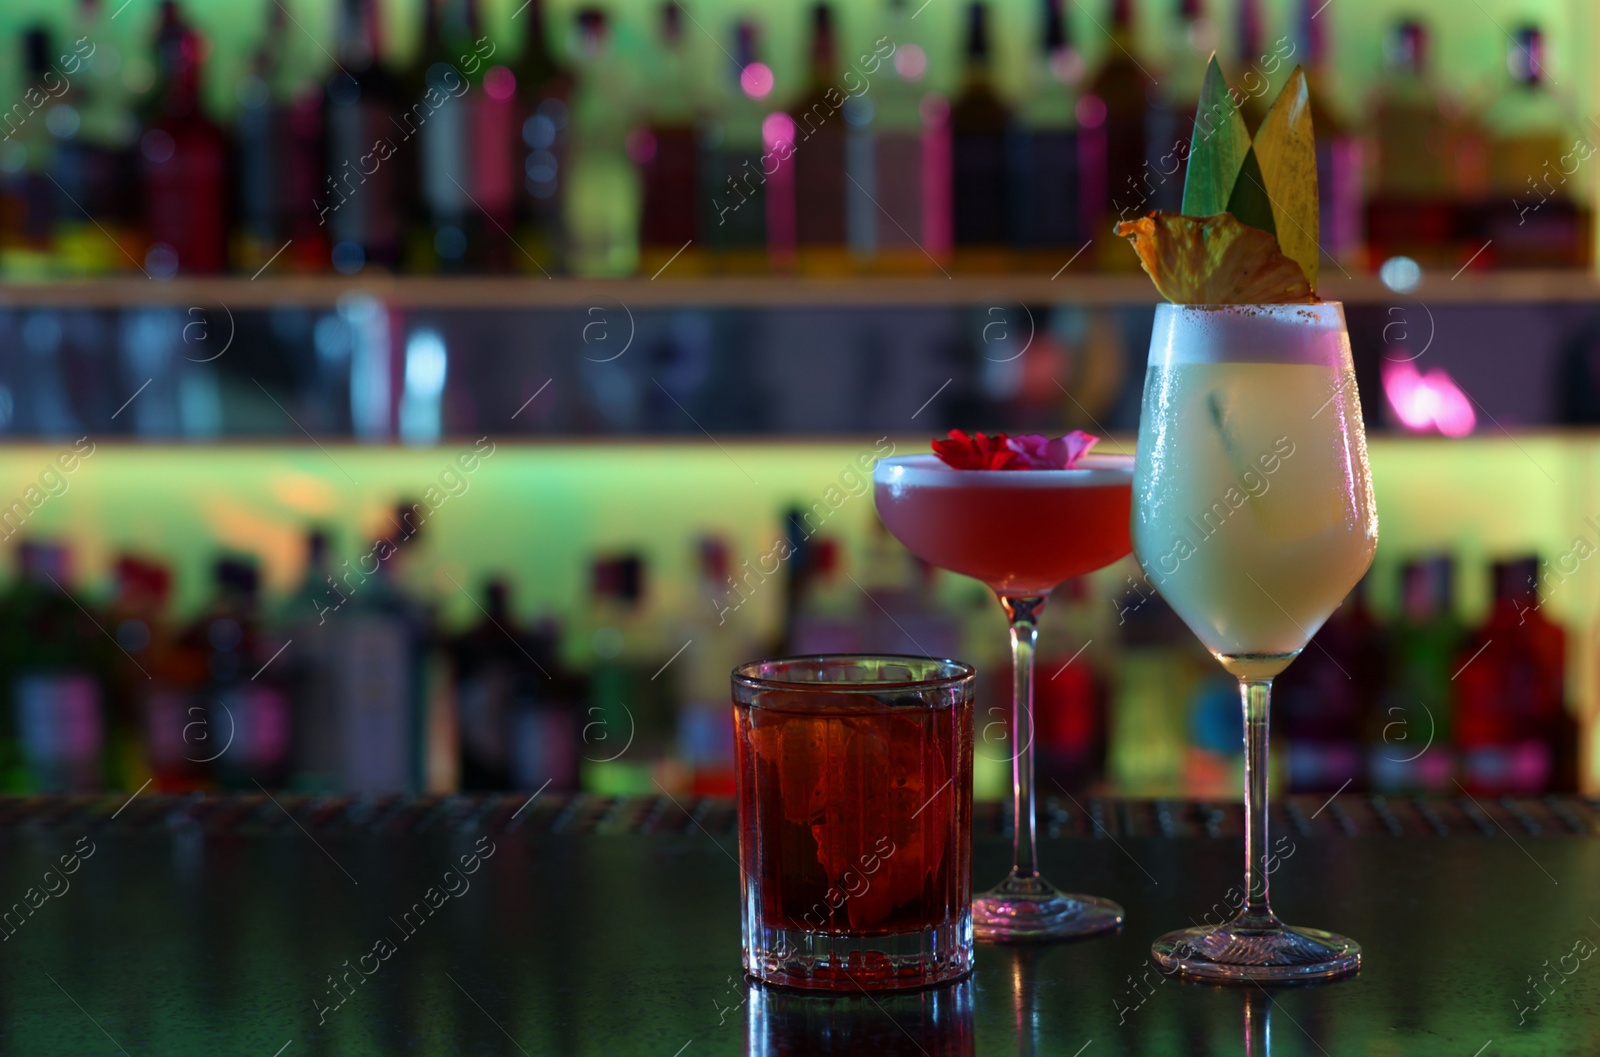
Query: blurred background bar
point(417, 396)
point(546, 137)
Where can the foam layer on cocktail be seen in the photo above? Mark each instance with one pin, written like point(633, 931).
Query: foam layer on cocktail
point(1312, 335)
point(927, 471)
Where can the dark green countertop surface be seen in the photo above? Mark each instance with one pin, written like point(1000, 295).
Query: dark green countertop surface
point(228, 927)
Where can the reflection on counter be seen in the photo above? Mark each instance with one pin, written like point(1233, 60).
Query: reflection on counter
point(932, 1022)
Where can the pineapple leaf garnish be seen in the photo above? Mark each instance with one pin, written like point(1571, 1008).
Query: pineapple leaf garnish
point(1287, 150)
point(1248, 231)
point(1216, 148)
point(1250, 204)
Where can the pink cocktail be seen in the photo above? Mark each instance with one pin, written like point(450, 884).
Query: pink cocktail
point(1022, 532)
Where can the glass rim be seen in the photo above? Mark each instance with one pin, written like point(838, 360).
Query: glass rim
point(959, 672)
point(1277, 306)
point(926, 468)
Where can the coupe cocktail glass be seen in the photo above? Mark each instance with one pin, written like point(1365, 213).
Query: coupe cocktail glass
point(1253, 518)
point(855, 820)
point(1022, 532)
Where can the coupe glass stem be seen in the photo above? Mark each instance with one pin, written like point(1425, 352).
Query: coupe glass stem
point(1023, 613)
point(1256, 696)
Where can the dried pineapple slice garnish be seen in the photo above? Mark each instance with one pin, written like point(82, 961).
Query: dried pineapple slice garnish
point(1215, 260)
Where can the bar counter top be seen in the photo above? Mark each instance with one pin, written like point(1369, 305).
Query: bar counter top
point(563, 925)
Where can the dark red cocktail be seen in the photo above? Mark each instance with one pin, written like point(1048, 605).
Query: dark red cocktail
point(855, 814)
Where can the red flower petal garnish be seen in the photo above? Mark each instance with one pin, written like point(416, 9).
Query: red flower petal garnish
point(976, 452)
point(1031, 451)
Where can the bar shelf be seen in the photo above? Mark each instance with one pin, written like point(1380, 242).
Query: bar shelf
point(536, 292)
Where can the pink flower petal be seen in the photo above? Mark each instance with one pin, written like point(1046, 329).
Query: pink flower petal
point(1037, 452)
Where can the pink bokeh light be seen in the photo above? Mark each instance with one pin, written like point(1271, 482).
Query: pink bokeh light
point(776, 128)
point(756, 80)
point(910, 62)
point(500, 84)
point(1427, 402)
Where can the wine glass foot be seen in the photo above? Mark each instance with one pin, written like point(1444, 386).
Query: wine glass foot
point(1030, 909)
point(1231, 953)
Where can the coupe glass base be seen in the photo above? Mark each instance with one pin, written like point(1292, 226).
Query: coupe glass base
point(1030, 909)
point(1234, 953)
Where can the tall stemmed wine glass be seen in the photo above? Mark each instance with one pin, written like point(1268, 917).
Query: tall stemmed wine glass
point(1253, 518)
point(1022, 532)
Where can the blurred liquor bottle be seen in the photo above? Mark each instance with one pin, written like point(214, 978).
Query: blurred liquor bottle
point(493, 135)
point(1413, 210)
point(1190, 39)
point(30, 201)
point(1213, 762)
point(821, 135)
point(384, 651)
point(487, 682)
point(1157, 673)
point(1411, 730)
point(437, 169)
point(1539, 209)
point(1044, 150)
point(1322, 699)
point(186, 177)
point(496, 683)
point(903, 611)
point(1070, 700)
point(174, 715)
point(1252, 58)
point(979, 123)
point(180, 717)
point(139, 623)
point(547, 728)
point(982, 646)
point(798, 569)
point(360, 199)
point(910, 155)
point(258, 138)
point(629, 727)
point(279, 138)
point(860, 159)
point(602, 193)
point(99, 161)
point(718, 641)
point(827, 616)
point(308, 620)
point(544, 86)
point(1513, 729)
point(667, 150)
point(738, 164)
point(54, 676)
point(247, 739)
point(1113, 180)
point(1340, 156)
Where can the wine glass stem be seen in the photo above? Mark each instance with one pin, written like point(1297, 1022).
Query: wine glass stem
point(1256, 696)
point(1023, 613)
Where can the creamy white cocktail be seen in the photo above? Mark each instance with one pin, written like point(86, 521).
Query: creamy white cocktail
point(1253, 516)
point(1253, 510)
